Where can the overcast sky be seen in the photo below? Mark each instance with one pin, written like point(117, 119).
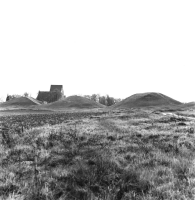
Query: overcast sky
point(108, 47)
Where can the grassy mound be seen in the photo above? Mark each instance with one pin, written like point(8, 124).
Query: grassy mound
point(20, 102)
point(76, 102)
point(145, 100)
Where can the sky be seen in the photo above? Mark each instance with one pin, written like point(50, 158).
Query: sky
point(108, 47)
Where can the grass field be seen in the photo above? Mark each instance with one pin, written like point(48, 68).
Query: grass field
point(115, 156)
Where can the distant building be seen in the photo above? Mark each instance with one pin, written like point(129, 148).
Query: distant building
point(56, 92)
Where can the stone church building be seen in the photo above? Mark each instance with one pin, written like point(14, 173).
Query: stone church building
point(56, 93)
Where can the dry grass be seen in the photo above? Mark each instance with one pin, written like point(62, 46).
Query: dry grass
point(138, 156)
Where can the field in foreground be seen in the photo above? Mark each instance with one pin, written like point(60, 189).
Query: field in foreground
point(113, 156)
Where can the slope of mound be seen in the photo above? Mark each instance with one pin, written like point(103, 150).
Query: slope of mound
point(146, 99)
point(190, 105)
point(73, 102)
point(20, 102)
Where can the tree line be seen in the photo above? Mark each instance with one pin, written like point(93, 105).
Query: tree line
point(105, 100)
point(13, 96)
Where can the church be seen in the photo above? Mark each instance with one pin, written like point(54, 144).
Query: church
point(56, 92)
